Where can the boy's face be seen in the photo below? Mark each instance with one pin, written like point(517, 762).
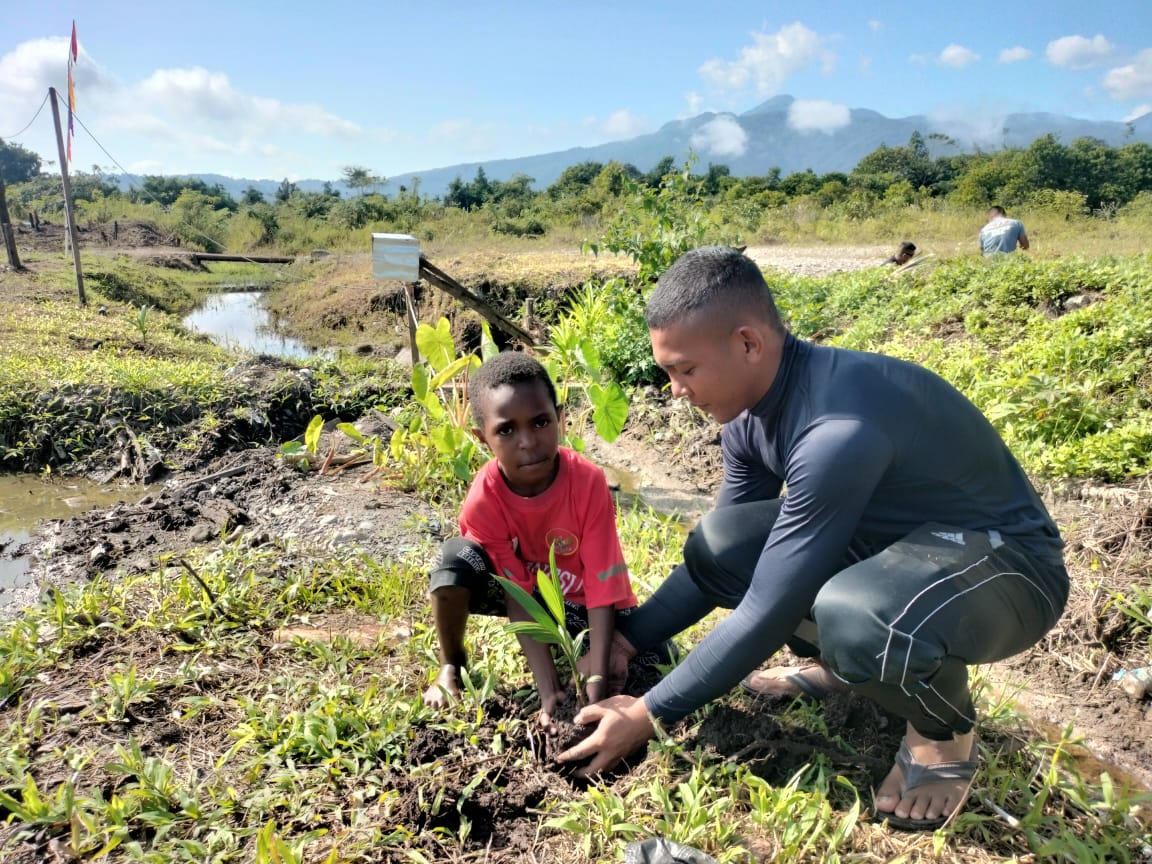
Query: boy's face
point(522, 429)
point(713, 367)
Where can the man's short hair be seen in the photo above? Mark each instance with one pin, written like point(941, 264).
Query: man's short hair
point(511, 368)
point(909, 247)
point(997, 209)
point(714, 278)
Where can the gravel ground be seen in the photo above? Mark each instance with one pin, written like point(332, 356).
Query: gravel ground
point(819, 260)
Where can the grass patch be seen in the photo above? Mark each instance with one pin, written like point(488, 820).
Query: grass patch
point(1056, 353)
point(168, 717)
point(73, 378)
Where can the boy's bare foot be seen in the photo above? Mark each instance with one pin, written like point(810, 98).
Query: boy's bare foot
point(929, 783)
point(814, 680)
point(445, 689)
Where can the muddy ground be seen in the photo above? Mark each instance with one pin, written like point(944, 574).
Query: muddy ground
point(669, 455)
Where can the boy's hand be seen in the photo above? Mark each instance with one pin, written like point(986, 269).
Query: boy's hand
point(613, 683)
point(548, 703)
point(597, 690)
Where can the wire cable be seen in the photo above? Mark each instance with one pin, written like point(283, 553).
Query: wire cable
point(30, 122)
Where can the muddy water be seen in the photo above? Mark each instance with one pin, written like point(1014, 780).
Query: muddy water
point(630, 487)
point(26, 499)
point(239, 321)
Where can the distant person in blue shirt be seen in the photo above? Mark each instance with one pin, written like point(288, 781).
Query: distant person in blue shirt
point(1001, 234)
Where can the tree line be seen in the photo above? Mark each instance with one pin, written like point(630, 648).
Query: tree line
point(1084, 177)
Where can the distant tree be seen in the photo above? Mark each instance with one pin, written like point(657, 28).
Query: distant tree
point(330, 190)
point(574, 180)
point(286, 190)
point(251, 195)
point(470, 196)
point(359, 177)
point(17, 163)
point(659, 171)
point(610, 182)
point(800, 183)
point(714, 178)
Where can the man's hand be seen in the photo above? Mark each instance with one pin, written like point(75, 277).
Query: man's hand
point(623, 725)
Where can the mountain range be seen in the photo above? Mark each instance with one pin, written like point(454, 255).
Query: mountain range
point(778, 133)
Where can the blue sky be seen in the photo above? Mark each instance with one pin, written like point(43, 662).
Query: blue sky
point(300, 90)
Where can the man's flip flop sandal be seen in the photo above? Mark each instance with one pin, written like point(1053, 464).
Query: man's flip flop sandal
point(916, 775)
point(807, 686)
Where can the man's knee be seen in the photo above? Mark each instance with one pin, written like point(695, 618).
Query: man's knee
point(852, 632)
point(707, 568)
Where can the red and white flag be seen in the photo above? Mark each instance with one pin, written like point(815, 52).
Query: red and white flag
point(72, 54)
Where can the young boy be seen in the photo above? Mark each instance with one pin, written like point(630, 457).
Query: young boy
point(532, 496)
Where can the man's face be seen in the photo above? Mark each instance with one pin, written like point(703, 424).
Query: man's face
point(707, 365)
point(522, 429)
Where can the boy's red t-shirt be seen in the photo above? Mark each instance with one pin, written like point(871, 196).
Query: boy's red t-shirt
point(575, 513)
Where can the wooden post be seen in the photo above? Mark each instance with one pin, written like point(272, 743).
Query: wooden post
point(6, 229)
point(450, 286)
point(71, 216)
point(410, 304)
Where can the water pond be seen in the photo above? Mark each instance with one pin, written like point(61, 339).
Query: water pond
point(25, 499)
point(239, 321)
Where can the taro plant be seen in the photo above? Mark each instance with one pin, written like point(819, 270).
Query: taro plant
point(302, 454)
point(574, 366)
point(548, 620)
point(436, 448)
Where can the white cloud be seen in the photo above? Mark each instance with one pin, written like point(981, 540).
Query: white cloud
point(769, 61)
point(817, 115)
point(622, 124)
point(1078, 52)
point(205, 95)
point(695, 101)
point(722, 136)
point(32, 67)
point(178, 116)
point(1133, 81)
point(1014, 54)
point(866, 64)
point(957, 56)
point(1138, 112)
point(983, 127)
point(875, 25)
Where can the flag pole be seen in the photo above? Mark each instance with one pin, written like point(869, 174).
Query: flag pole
point(68, 211)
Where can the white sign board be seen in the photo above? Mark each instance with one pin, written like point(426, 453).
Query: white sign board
point(396, 256)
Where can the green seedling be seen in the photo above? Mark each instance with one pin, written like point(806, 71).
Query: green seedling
point(547, 624)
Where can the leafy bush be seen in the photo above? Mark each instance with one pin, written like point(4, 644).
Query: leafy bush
point(611, 315)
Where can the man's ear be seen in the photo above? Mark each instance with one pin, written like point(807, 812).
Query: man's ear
point(750, 342)
point(478, 433)
point(560, 416)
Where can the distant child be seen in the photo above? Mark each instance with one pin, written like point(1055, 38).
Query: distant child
point(904, 254)
point(533, 496)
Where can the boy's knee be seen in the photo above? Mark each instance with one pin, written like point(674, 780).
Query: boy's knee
point(462, 564)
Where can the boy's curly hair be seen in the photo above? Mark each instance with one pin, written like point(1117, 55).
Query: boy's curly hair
point(509, 367)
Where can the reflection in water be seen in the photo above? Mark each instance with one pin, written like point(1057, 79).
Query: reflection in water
point(25, 499)
point(238, 320)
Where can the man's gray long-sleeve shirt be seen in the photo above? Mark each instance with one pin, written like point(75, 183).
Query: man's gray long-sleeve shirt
point(866, 445)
